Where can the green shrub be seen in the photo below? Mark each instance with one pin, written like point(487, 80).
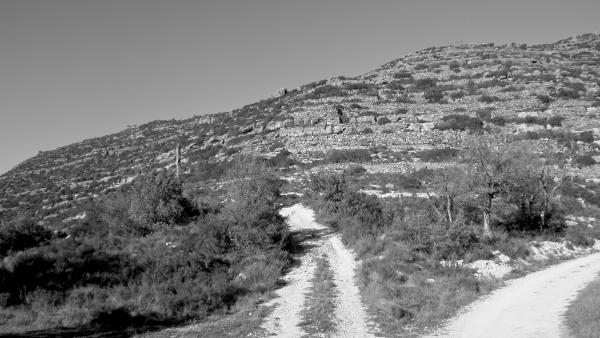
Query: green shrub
point(567, 94)
point(434, 95)
point(383, 121)
point(488, 99)
point(485, 114)
point(158, 198)
point(424, 84)
point(584, 161)
point(20, 234)
point(582, 235)
point(545, 99)
point(460, 122)
point(348, 155)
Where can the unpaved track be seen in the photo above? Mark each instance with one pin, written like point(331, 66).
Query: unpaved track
point(349, 313)
point(530, 306)
point(284, 320)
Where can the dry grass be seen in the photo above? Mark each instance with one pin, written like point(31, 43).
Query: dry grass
point(583, 316)
point(317, 316)
point(243, 320)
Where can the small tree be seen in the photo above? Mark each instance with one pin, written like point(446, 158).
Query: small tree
point(158, 198)
point(488, 177)
point(253, 207)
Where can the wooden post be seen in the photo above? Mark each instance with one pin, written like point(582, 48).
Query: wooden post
point(177, 160)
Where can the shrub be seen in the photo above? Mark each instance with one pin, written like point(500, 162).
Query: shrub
point(460, 122)
point(457, 94)
point(454, 66)
point(354, 170)
point(437, 155)
point(434, 95)
point(586, 137)
point(158, 198)
point(383, 121)
point(581, 235)
point(471, 87)
point(584, 161)
point(499, 120)
point(485, 113)
point(348, 155)
point(567, 94)
point(424, 84)
point(545, 99)
point(395, 85)
point(20, 234)
point(488, 99)
point(326, 91)
point(555, 121)
point(402, 75)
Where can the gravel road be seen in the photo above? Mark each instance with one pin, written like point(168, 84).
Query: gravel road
point(530, 306)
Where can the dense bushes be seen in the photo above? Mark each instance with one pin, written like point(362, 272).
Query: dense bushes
point(355, 214)
point(348, 155)
point(158, 198)
point(584, 161)
point(183, 266)
point(563, 137)
point(21, 234)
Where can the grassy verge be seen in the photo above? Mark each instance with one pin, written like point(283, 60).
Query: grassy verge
point(583, 316)
point(243, 320)
point(317, 316)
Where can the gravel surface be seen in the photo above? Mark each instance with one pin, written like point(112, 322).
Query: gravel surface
point(350, 317)
point(530, 306)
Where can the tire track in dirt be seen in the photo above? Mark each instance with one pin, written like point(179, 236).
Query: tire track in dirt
point(350, 316)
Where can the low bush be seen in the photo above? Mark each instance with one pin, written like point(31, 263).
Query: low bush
point(107, 275)
point(460, 122)
point(583, 314)
point(434, 95)
point(348, 155)
point(488, 99)
point(383, 120)
point(158, 198)
point(545, 99)
point(584, 161)
point(20, 234)
point(582, 235)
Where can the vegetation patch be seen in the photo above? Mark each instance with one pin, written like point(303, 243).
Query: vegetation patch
point(146, 258)
point(583, 315)
point(318, 313)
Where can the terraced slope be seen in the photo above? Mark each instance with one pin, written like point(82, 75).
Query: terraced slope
point(546, 95)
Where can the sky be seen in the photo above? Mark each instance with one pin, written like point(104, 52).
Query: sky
point(76, 69)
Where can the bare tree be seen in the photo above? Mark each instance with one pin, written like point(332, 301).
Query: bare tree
point(488, 177)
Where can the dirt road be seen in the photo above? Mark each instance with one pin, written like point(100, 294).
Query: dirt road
point(530, 306)
point(350, 317)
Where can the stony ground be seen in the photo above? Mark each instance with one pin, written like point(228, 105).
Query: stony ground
point(350, 317)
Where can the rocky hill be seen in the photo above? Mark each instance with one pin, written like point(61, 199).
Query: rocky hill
point(547, 95)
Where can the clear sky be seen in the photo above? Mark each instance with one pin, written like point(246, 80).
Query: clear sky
point(75, 69)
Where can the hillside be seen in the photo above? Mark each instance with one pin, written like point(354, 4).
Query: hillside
point(547, 95)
